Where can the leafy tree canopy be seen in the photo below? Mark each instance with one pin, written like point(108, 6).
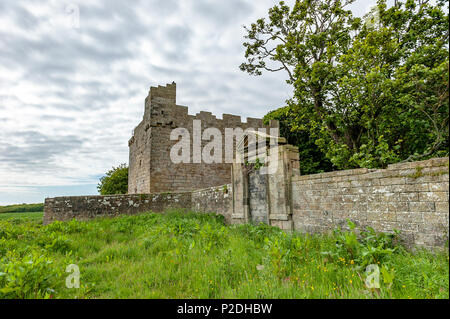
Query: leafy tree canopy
point(367, 91)
point(115, 181)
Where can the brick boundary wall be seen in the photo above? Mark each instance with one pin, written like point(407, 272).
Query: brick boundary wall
point(411, 197)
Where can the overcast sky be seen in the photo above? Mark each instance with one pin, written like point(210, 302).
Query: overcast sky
point(74, 76)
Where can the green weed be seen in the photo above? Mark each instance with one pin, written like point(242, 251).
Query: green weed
point(189, 255)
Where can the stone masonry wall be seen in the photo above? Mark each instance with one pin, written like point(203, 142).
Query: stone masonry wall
point(210, 200)
point(139, 160)
point(214, 200)
point(88, 207)
point(150, 167)
point(410, 197)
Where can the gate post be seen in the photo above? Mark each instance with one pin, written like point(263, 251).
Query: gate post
point(281, 163)
point(279, 188)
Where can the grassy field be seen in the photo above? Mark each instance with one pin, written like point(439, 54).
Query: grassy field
point(20, 208)
point(178, 255)
point(35, 216)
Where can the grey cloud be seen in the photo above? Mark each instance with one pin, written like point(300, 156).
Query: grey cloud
point(37, 151)
point(163, 8)
point(56, 118)
point(222, 12)
point(57, 56)
point(25, 18)
point(179, 35)
point(179, 38)
point(68, 83)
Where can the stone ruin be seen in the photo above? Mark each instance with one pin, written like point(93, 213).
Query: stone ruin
point(150, 167)
point(410, 197)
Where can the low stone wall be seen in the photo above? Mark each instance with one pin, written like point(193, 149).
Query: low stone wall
point(215, 199)
point(410, 197)
point(88, 207)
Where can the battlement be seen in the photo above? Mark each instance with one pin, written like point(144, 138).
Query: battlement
point(161, 95)
point(169, 92)
point(161, 110)
point(151, 169)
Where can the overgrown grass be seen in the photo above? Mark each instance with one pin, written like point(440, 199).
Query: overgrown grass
point(36, 216)
point(192, 255)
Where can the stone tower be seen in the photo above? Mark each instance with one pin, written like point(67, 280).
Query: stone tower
point(150, 167)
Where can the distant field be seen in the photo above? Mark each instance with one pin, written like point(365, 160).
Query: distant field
point(32, 216)
point(20, 208)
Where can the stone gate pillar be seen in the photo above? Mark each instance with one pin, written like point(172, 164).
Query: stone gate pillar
point(279, 188)
point(279, 162)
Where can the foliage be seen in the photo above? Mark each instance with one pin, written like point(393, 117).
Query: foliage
point(312, 159)
point(367, 92)
point(33, 215)
point(30, 276)
point(22, 208)
point(189, 255)
point(369, 247)
point(253, 165)
point(115, 181)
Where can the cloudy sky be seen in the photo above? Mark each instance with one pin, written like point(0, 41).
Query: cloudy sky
point(74, 76)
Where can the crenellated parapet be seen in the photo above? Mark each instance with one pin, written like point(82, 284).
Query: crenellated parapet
point(151, 169)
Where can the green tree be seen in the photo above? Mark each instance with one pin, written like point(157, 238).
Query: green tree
point(305, 42)
point(312, 159)
point(367, 92)
point(115, 181)
point(391, 94)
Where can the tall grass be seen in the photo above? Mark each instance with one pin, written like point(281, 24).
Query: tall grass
point(177, 255)
point(36, 216)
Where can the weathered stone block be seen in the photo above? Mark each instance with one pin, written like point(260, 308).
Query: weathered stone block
point(433, 196)
point(422, 206)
